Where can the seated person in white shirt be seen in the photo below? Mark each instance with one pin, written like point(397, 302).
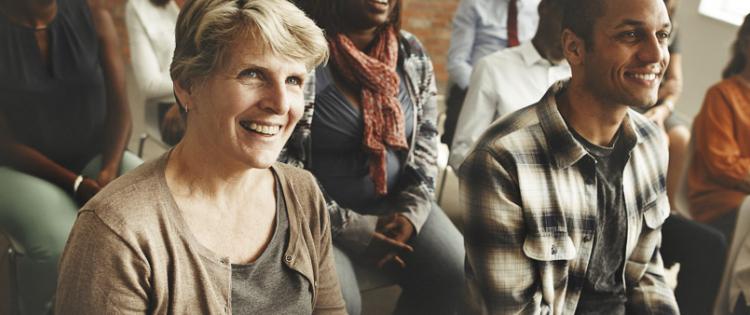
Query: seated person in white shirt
point(481, 27)
point(510, 79)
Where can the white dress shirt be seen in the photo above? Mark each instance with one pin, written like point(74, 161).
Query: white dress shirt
point(151, 32)
point(501, 83)
point(480, 28)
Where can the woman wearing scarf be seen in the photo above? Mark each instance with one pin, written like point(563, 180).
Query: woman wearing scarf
point(372, 146)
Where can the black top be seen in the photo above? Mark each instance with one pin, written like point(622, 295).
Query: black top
point(267, 286)
point(58, 110)
point(339, 160)
point(603, 289)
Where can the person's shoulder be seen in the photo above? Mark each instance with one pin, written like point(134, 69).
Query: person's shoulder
point(513, 54)
point(304, 193)
point(646, 129)
point(725, 86)
point(413, 45)
point(301, 181)
point(501, 60)
point(132, 200)
point(512, 133)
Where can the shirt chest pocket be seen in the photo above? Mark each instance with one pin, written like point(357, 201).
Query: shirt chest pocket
point(549, 247)
point(655, 212)
point(654, 215)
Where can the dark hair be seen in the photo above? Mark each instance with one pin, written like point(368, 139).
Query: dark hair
point(579, 17)
point(160, 3)
point(739, 60)
point(329, 15)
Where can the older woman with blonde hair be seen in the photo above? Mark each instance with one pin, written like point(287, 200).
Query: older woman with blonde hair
point(215, 226)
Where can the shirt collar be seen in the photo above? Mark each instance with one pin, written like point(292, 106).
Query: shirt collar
point(530, 55)
point(564, 148)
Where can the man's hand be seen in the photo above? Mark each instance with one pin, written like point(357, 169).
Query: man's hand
point(172, 126)
point(388, 243)
point(86, 190)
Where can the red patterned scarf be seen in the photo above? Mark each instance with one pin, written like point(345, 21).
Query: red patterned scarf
point(375, 73)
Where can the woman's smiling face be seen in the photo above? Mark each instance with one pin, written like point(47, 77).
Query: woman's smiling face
point(247, 109)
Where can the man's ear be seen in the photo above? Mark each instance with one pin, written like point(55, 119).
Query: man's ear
point(574, 48)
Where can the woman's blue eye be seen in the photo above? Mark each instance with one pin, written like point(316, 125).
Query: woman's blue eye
point(250, 74)
point(294, 81)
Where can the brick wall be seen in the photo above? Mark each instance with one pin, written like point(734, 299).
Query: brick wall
point(429, 20)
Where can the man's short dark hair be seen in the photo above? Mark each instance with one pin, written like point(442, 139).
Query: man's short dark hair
point(579, 17)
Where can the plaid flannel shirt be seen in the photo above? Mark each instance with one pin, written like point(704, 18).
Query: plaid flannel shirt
point(530, 196)
point(414, 198)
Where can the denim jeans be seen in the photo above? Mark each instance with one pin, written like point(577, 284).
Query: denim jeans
point(39, 215)
point(433, 280)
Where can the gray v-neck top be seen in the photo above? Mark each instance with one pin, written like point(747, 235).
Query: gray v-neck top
point(267, 286)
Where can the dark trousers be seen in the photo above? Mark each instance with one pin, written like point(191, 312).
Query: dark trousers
point(701, 251)
point(453, 105)
point(725, 224)
point(741, 308)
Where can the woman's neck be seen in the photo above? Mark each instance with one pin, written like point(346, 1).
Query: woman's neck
point(362, 38)
point(198, 174)
point(32, 13)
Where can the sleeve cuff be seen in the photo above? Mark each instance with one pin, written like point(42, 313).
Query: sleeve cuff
point(417, 220)
point(357, 233)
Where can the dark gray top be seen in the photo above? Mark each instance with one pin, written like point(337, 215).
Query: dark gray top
point(603, 289)
point(338, 159)
point(267, 286)
point(58, 110)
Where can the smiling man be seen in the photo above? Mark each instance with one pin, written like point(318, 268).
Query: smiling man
point(565, 199)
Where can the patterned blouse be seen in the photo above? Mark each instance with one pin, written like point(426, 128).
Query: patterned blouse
point(349, 228)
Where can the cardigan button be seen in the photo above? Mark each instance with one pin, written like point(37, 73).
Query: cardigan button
point(554, 250)
point(288, 258)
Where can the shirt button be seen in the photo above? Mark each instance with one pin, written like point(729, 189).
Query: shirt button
point(288, 258)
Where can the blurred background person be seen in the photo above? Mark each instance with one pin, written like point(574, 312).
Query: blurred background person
point(151, 26)
point(482, 27)
point(719, 176)
point(215, 219)
point(510, 79)
point(373, 148)
point(64, 124)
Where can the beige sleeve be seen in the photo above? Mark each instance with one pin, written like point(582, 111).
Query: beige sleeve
point(100, 273)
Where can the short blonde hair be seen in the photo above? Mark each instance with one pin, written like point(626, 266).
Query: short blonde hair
point(207, 28)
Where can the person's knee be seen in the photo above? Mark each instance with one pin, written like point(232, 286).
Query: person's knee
point(446, 244)
point(37, 214)
point(347, 282)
